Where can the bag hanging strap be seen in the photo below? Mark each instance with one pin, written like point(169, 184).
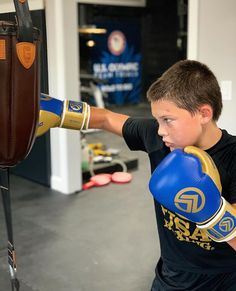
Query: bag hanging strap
point(24, 21)
point(6, 198)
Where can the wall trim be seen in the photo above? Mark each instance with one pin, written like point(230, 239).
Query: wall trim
point(192, 40)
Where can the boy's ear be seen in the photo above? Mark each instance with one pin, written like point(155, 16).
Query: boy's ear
point(206, 113)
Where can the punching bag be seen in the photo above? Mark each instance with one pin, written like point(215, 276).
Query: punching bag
point(19, 86)
point(19, 106)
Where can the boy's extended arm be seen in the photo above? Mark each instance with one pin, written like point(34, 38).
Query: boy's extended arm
point(102, 118)
point(76, 115)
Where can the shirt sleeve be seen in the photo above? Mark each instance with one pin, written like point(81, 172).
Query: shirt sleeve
point(141, 134)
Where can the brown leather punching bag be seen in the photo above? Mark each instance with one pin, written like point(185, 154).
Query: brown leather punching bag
point(19, 86)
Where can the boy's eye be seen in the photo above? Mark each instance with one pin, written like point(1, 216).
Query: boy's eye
point(167, 120)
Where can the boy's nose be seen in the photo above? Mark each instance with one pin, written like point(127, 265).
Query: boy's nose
point(161, 131)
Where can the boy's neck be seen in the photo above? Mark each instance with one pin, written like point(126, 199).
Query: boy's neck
point(211, 135)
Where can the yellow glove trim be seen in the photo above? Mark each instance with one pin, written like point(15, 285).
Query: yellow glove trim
point(49, 120)
point(208, 165)
point(75, 115)
point(87, 118)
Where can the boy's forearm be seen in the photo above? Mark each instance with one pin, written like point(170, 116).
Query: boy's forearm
point(76, 115)
point(97, 117)
point(105, 119)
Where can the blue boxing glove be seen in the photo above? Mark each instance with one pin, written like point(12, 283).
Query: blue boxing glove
point(50, 113)
point(188, 183)
point(66, 114)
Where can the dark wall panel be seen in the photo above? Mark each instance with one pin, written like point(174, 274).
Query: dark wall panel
point(160, 29)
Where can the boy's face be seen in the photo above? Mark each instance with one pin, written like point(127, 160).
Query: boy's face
point(177, 126)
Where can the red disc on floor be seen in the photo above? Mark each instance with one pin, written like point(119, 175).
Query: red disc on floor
point(97, 180)
point(121, 177)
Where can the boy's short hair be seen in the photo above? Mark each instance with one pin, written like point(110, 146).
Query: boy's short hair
point(189, 84)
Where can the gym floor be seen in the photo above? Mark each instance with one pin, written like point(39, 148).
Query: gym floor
point(101, 239)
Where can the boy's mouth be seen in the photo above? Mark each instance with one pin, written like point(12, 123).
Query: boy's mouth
point(171, 146)
point(168, 144)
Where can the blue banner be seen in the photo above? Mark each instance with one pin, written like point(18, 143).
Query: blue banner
point(116, 58)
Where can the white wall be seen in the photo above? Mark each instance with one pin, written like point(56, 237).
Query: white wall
point(212, 40)
point(63, 74)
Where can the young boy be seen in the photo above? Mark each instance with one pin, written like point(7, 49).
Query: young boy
point(186, 103)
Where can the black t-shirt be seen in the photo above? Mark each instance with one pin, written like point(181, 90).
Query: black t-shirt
point(183, 245)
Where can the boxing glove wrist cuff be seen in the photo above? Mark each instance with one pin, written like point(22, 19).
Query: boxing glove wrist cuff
point(223, 226)
point(75, 115)
point(87, 118)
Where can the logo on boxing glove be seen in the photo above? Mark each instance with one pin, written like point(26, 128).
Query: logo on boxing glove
point(190, 200)
point(75, 106)
point(226, 224)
